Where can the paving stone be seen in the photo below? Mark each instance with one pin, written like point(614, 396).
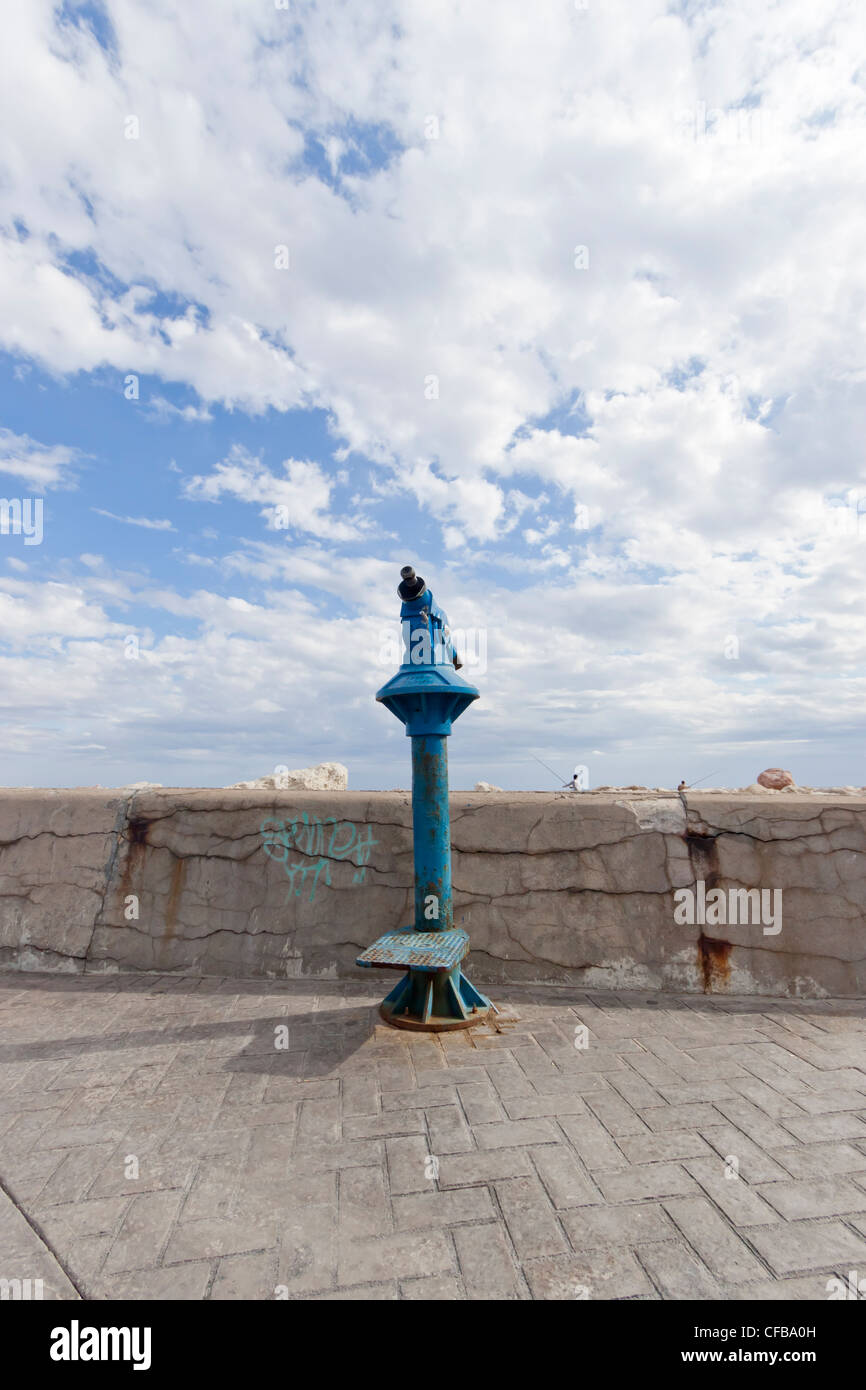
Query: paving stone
point(267, 1143)
point(212, 1190)
point(830, 1197)
point(826, 1102)
point(530, 1218)
point(65, 1136)
point(638, 1184)
point(741, 1204)
point(616, 1115)
point(154, 1175)
point(407, 1164)
point(592, 1142)
point(566, 1183)
point(754, 1164)
point(415, 1252)
point(179, 1144)
point(813, 1128)
point(706, 1093)
point(449, 1132)
point(143, 1232)
point(360, 1096)
point(457, 1074)
point(364, 1206)
point(677, 1272)
point(509, 1082)
point(285, 1089)
point(513, 1132)
point(539, 1107)
point(71, 1219)
point(657, 1073)
point(436, 1288)
point(802, 1245)
point(73, 1175)
point(460, 1170)
point(352, 1153)
point(360, 1293)
point(319, 1123)
point(808, 1289)
point(421, 1209)
point(771, 1102)
point(590, 1274)
point(661, 1119)
point(308, 1251)
point(569, 1083)
point(271, 1116)
point(187, 1282)
point(596, 1058)
point(753, 1121)
point(389, 1123)
point(423, 1098)
point(819, 1160)
point(629, 1225)
point(721, 1249)
point(481, 1104)
point(486, 1263)
point(681, 1062)
point(209, 1239)
point(853, 1077)
point(785, 1082)
point(787, 1060)
point(395, 1074)
point(634, 1089)
point(661, 1148)
point(246, 1277)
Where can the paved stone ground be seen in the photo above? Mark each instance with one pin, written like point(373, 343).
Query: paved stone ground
point(156, 1143)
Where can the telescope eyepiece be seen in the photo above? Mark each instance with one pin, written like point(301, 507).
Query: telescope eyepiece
point(411, 585)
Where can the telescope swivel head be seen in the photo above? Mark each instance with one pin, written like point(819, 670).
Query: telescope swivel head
point(426, 635)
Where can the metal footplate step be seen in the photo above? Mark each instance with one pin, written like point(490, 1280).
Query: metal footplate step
point(422, 950)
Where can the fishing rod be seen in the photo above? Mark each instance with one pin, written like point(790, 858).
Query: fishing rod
point(689, 785)
point(555, 774)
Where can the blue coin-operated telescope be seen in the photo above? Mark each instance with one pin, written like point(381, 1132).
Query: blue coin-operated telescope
point(427, 695)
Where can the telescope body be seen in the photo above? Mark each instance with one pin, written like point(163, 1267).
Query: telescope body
point(427, 695)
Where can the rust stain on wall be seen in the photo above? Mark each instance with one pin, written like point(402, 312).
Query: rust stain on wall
point(138, 831)
point(714, 962)
point(174, 892)
point(137, 841)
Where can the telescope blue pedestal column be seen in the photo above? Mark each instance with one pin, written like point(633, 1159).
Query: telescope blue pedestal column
point(427, 695)
point(431, 826)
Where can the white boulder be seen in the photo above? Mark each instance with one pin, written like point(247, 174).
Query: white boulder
point(325, 777)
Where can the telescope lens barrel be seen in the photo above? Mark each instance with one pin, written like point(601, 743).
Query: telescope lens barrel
point(411, 585)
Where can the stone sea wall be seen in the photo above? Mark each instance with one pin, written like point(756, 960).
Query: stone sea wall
point(624, 889)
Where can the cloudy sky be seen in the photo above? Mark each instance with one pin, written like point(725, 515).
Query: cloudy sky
point(562, 303)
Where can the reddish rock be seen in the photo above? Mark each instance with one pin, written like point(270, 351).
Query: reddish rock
point(775, 778)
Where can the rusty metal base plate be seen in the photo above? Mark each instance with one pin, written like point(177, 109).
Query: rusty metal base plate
point(422, 950)
point(435, 1001)
point(436, 1024)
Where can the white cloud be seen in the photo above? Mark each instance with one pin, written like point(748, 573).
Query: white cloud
point(145, 522)
point(39, 465)
point(164, 409)
point(298, 501)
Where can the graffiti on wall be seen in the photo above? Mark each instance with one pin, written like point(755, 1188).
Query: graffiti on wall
point(319, 843)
